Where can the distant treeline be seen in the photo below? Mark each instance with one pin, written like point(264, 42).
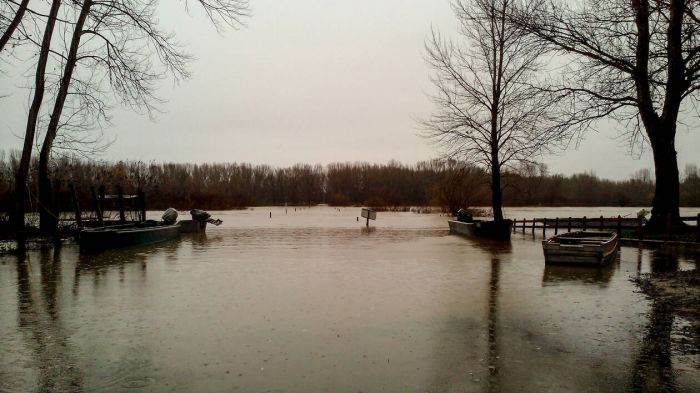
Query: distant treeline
point(432, 183)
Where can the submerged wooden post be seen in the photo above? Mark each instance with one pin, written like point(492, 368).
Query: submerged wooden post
point(533, 225)
point(583, 223)
point(142, 202)
point(544, 227)
point(76, 206)
point(619, 226)
point(568, 227)
point(601, 223)
point(96, 203)
point(556, 225)
point(55, 211)
point(120, 200)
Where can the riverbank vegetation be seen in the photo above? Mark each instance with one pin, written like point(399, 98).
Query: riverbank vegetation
point(447, 184)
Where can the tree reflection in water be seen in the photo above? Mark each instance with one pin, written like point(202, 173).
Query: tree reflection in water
point(40, 323)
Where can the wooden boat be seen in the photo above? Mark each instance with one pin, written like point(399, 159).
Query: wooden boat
point(117, 236)
point(494, 229)
point(581, 248)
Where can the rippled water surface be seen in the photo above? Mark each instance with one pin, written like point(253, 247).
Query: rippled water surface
point(312, 301)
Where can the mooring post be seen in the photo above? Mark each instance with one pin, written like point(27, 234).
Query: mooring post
point(568, 226)
point(120, 200)
point(556, 225)
point(584, 223)
point(55, 211)
point(142, 199)
point(619, 226)
point(544, 227)
point(98, 208)
point(601, 223)
point(76, 206)
point(515, 223)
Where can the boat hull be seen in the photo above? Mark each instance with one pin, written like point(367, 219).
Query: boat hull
point(562, 250)
point(496, 229)
point(101, 239)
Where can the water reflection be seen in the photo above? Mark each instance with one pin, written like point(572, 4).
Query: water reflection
point(556, 274)
point(42, 328)
point(664, 339)
point(493, 357)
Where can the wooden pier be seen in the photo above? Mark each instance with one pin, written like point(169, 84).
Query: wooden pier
point(618, 224)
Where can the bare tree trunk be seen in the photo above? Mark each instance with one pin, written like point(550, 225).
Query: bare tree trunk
point(23, 170)
point(13, 25)
point(666, 202)
point(47, 217)
point(496, 192)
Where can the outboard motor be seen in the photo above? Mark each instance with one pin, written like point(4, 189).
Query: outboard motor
point(464, 216)
point(170, 216)
point(200, 215)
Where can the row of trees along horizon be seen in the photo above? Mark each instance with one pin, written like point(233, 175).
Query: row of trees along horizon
point(447, 184)
point(522, 79)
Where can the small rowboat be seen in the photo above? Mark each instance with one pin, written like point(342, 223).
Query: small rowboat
point(581, 248)
point(494, 229)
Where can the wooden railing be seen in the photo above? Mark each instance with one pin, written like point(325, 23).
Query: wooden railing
point(601, 223)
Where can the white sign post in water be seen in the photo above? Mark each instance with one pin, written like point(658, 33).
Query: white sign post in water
point(369, 214)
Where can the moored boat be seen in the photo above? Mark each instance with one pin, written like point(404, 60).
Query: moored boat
point(131, 234)
point(581, 248)
point(126, 235)
point(493, 229)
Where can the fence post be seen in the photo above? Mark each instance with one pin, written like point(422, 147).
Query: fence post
point(142, 200)
point(601, 223)
point(544, 227)
point(120, 200)
point(556, 225)
point(583, 223)
point(515, 223)
point(568, 226)
point(524, 221)
point(96, 203)
point(619, 226)
point(76, 206)
point(533, 226)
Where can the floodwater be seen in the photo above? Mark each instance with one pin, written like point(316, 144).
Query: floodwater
point(312, 301)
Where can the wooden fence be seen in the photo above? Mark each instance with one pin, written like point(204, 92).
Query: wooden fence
point(618, 224)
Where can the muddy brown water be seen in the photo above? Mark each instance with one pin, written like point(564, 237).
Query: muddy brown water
point(312, 301)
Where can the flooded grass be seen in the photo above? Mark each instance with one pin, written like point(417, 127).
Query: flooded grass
point(313, 301)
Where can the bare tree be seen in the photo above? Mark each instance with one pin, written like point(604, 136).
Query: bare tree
point(116, 40)
point(637, 62)
point(13, 23)
point(489, 112)
point(32, 119)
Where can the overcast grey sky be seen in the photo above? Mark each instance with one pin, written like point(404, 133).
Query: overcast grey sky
point(312, 81)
